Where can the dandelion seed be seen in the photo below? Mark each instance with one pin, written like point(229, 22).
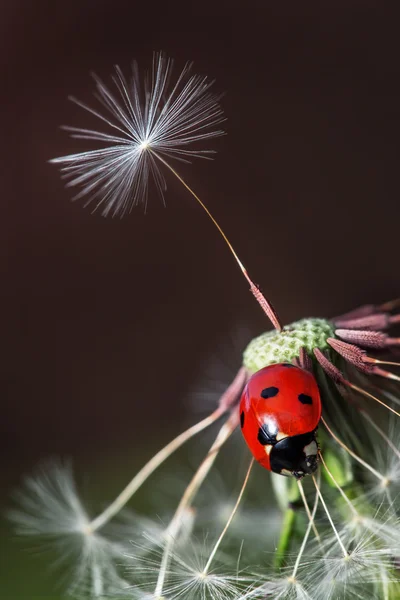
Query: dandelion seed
point(185, 577)
point(339, 576)
point(281, 589)
point(151, 128)
point(51, 510)
point(145, 123)
point(50, 507)
point(382, 529)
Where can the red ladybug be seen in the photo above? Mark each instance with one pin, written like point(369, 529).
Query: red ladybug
point(280, 409)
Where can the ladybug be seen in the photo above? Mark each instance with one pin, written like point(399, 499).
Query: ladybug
point(280, 409)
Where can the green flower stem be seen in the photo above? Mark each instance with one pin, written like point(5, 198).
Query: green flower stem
point(287, 495)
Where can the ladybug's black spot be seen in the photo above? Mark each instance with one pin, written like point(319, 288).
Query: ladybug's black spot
point(242, 419)
point(304, 399)
point(269, 392)
point(287, 365)
point(266, 437)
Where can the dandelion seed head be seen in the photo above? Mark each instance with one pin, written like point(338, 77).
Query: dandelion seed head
point(380, 530)
point(144, 145)
point(282, 588)
point(50, 511)
point(186, 577)
point(144, 126)
point(335, 575)
point(49, 503)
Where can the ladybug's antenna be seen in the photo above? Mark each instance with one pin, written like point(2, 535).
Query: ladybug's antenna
point(263, 302)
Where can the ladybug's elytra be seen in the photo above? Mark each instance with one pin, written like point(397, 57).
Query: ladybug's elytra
point(280, 410)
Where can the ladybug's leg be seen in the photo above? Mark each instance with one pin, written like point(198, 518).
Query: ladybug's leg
point(227, 400)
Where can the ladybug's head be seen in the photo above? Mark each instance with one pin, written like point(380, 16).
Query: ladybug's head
point(295, 455)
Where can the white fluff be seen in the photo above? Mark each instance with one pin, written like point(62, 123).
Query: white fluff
point(146, 124)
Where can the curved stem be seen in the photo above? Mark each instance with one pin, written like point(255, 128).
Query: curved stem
point(173, 529)
point(310, 525)
point(368, 395)
point(369, 359)
point(344, 496)
point(265, 305)
point(148, 469)
point(309, 514)
point(353, 454)
point(345, 553)
point(229, 521)
point(383, 435)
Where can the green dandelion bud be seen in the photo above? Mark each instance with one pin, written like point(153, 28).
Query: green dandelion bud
point(273, 347)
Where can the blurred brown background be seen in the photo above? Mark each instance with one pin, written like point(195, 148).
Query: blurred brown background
point(108, 324)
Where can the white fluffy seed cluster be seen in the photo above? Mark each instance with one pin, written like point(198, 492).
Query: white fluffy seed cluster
point(144, 125)
point(273, 347)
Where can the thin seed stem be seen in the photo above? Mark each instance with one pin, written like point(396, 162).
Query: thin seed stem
point(390, 305)
point(239, 557)
point(309, 515)
point(229, 521)
point(148, 469)
point(173, 529)
point(203, 206)
point(389, 442)
point(345, 553)
point(382, 373)
point(385, 583)
point(310, 525)
point(369, 359)
point(344, 496)
point(265, 305)
point(368, 395)
point(353, 454)
point(392, 398)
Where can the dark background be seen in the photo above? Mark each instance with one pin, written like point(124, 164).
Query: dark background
point(109, 324)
